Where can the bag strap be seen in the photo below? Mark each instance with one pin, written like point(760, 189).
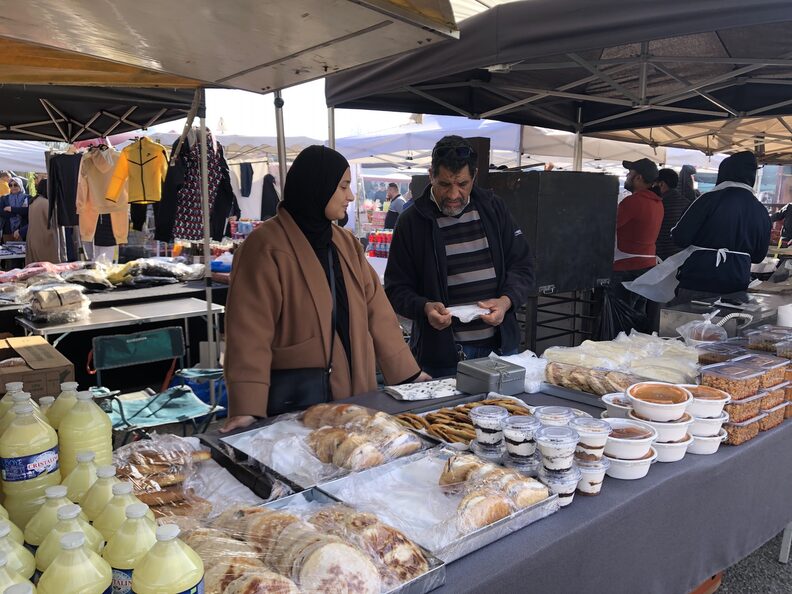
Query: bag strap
point(333, 316)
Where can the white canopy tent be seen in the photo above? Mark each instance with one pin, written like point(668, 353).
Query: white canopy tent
point(23, 155)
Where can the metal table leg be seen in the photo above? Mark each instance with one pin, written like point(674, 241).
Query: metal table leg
point(786, 544)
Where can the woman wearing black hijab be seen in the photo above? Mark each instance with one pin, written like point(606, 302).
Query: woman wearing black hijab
point(269, 198)
point(279, 308)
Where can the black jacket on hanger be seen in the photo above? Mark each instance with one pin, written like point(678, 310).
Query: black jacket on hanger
point(63, 171)
point(245, 179)
point(166, 215)
point(225, 204)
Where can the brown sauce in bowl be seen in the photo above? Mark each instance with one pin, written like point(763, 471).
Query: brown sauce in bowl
point(659, 394)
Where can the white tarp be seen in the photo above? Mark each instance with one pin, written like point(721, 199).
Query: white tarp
point(22, 155)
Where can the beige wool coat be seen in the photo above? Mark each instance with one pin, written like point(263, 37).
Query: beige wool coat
point(278, 316)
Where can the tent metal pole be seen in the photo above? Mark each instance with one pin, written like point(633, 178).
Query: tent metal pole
point(281, 139)
point(207, 251)
point(577, 159)
point(331, 135)
point(520, 148)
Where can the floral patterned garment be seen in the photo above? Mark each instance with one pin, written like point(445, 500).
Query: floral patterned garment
point(189, 220)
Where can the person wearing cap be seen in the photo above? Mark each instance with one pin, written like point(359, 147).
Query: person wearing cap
point(674, 206)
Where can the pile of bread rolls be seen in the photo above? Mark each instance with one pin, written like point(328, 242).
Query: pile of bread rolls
point(490, 491)
point(354, 437)
point(592, 381)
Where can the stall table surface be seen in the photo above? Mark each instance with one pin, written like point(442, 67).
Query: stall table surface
point(664, 534)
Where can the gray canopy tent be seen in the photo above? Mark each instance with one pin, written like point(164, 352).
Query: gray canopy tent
point(621, 66)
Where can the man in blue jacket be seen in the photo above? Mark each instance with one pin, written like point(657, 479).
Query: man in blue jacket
point(734, 227)
point(458, 245)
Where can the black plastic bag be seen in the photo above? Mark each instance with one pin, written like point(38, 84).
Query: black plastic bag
point(618, 314)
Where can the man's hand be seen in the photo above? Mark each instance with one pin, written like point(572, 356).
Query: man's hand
point(423, 377)
point(498, 308)
point(7, 209)
point(237, 422)
point(16, 235)
point(437, 314)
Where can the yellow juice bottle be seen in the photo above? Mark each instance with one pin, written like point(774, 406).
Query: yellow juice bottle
point(114, 513)
point(28, 464)
point(69, 520)
point(83, 477)
point(129, 545)
point(19, 398)
point(170, 566)
point(23, 588)
point(46, 517)
point(18, 558)
point(63, 403)
point(45, 403)
point(77, 569)
point(85, 428)
point(9, 577)
point(5, 402)
point(100, 493)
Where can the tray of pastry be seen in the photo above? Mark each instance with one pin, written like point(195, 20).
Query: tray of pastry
point(324, 442)
point(451, 503)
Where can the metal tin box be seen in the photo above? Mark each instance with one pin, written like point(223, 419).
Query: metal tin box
point(490, 375)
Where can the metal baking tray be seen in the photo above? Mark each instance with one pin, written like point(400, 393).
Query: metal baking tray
point(464, 544)
point(432, 579)
point(573, 395)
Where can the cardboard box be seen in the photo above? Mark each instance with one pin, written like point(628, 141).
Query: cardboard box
point(44, 370)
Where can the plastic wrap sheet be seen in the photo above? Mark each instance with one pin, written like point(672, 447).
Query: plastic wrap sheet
point(533, 365)
point(13, 293)
point(56, 303)
point(175, 268)
point(93, 279)
point(326, 441)
point(450, 520)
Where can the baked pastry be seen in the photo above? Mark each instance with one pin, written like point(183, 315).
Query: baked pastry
point(336, 415)
point(400, 444)
point(235, 519)
point(526, 491)
point(336, 568)
point(190, 506)
point(222, 571)
point(325, 441)
point(480, 508)
point(357, 453)
point(261, 582)
point(213, 548)
point(456, 471)
point(312, 417)
point(264, 530)
point(292, 541)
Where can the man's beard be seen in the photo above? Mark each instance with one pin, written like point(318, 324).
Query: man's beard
point(628, 186)
point(456, 211)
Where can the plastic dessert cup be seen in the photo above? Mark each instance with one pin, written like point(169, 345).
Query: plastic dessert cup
point(593, 435)
point(557, 446)
point(487, 422)
point(592, 475)
point(563, 483)
point(518, 433)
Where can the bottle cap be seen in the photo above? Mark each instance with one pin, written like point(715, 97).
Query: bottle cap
point(123, 488)
point(45, 400)
point(69, 512)
point(85, 456)
point(108, 471)
point(69, 386)
point(23, 408)
point(5, 528)
point(81, 396)
point(72, 540)
point(137, 510)
point(167, 532)
point(55, 492)
point(13, 387)
point(20, 397)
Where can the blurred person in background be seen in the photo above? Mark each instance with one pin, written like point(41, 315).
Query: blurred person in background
point(41, 242)
point(14, 210)
point(674, 206)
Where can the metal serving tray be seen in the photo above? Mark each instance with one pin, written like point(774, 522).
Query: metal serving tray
point(573, 395)
point(464, 544)
point(434, 578)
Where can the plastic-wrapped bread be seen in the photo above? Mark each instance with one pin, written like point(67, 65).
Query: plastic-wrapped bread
point(482, 507)
point(261, 582)
point(222, 570)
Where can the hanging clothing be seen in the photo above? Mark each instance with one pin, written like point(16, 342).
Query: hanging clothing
point(245, 179)
point(63, 171)
point(96, 173)
point(166, 215)
point(188, 223)
point(225, 204)
point(41, 244)
point(143, 165)
point(269, 198)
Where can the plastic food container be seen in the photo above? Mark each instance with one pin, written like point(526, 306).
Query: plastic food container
point(591, 476)
point(718, 352)
point(747, 408)
point(741, 432)
point(630, 470)
point(673, 451)
point(557, 446)
point(708, 427)
point(487, 420)
point(562, 483)
point(773, 417)
point(774, 396)
point(629, 440)
point(617, 405)
point(593, 435)
point(707, 402)
point(784, 349)
point(658, 401)
point(554, 416)
point(737, 380)
point(667, 432)
point(707, 445)
point(766, 337)
point(774, 367)
point(528, 466)
point(788, 412)
point(518, 433)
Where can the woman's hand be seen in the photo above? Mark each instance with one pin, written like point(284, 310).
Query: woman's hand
point(238, 422)
point(7, 209)
point(16, 235)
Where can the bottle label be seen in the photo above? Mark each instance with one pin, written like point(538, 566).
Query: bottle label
point(122, 581)
point(26, 468)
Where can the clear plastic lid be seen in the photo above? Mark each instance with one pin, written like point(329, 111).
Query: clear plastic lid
point(23, 408)
point(521, 423)
point(732, 371)
point(167, 532)
point(136, 510)
point(555, 436)
point(743, 401)
point(13, 387)
point(84, 395)
point(44, 400)
point(560, 478)
point(72, 540)
point(751, 421)
point(589, 426)
point(765, 362)
point(488, 411)
point(554, 414)
point(69, 512)
point(781, 386)
point(617, 399)
point(528, 465)
point(69, 386)
point(56, 492)
point(108, 471)
point(23, 588)
point(592, 466)
point(123, 488)
point(775, 408)
point(721, 349)
point(5, 528)
point(85, 456)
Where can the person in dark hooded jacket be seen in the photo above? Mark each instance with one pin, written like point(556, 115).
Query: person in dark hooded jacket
point(728, 217)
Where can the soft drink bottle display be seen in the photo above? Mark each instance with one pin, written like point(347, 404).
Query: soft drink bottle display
point(5, 402)
point(170, 567)
point(83, 477)
point(114, 513)
point(46, 517)
point(28, 463)
point(9, 577)
point(100, 493)
point(129, 545)
point(18, 558)
point(63, 403)
point(85, 428)
point(69, 520)
point(77, 569)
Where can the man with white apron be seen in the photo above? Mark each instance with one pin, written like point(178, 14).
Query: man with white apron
point(722, 233)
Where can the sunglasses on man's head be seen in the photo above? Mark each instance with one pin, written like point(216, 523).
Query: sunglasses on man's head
point(462, 152)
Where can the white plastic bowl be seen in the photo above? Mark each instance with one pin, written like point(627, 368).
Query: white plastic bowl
point(662, 413)
point(615, 411)
point(667, 432)
point(672, 452)
point(706, 408)
point(709, 427)
point(707, 445)
point(630, 470)
point(629, 449)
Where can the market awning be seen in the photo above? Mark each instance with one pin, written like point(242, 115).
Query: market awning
point(566, 65)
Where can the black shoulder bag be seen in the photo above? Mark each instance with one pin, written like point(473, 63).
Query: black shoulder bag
point(297, 389)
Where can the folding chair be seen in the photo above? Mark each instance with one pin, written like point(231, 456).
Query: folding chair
point(140, 411)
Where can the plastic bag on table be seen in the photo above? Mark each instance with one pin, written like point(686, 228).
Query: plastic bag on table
point(93, 279)
point(57, 303)
point(534, 368)
point(44, 278)
point(703, 330)
point(582, 357)
point(13, 293)
point(617, 315)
